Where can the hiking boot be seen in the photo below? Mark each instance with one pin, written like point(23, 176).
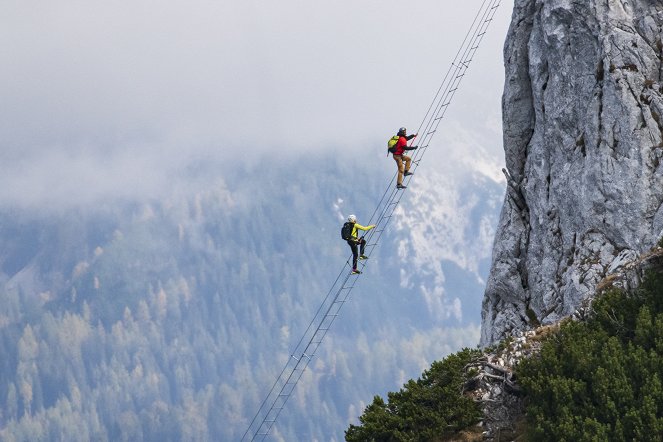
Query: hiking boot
point(363, 257)
point(356, 272)
point(408, 173)
point(400, 186)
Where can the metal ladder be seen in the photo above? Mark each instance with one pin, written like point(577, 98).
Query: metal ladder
point(339, 293)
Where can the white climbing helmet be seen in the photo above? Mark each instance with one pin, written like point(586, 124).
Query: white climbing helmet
point(352, 219)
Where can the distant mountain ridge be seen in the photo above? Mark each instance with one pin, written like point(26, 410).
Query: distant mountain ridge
point(169, 319)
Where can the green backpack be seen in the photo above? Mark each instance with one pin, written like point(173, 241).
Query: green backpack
point(391, 144)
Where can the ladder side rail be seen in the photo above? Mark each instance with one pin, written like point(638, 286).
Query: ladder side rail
point(264, 407)
point(461, 61)
point(383, 219)
point(289, 374)
point(485, 6)
point(273, 397)
point(342, 276)
point(312, 346)
point(329, 310)
point(455, 59)
point(383, 216)
point(457, 72)
point(275, 411)
point(324, 316)
point(385, 196)
point(269, 401)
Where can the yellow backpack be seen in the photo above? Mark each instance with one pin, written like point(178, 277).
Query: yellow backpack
point(391, 144)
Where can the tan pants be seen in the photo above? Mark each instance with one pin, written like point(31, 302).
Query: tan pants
point(399, 162)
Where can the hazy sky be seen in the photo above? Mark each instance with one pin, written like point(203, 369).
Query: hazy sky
point(103, 99)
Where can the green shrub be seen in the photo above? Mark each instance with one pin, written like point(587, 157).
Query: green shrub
point(423, 410)
point(601, 380)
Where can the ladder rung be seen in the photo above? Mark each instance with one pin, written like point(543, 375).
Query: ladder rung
point(290, 377)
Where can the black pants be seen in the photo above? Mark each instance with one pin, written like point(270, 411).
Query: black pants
point(353, 245)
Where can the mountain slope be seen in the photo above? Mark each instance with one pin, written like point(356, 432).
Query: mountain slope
point(170, 319)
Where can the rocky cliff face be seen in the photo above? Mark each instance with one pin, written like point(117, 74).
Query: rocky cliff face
point(583, 123)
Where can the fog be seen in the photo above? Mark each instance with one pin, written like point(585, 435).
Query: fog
point(114, 100)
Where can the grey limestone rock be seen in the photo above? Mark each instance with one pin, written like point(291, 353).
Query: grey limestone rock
point(583, 124)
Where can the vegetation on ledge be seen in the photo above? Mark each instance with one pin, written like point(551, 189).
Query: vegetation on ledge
point(601, 379)
point(427, 409)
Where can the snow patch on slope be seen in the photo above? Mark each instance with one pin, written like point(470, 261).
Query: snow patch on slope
point(446, 220)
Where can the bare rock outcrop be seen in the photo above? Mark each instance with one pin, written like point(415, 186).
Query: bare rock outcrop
point(583, 140)
point(494, 383)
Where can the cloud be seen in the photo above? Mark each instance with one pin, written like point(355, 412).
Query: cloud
point(100, 98)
